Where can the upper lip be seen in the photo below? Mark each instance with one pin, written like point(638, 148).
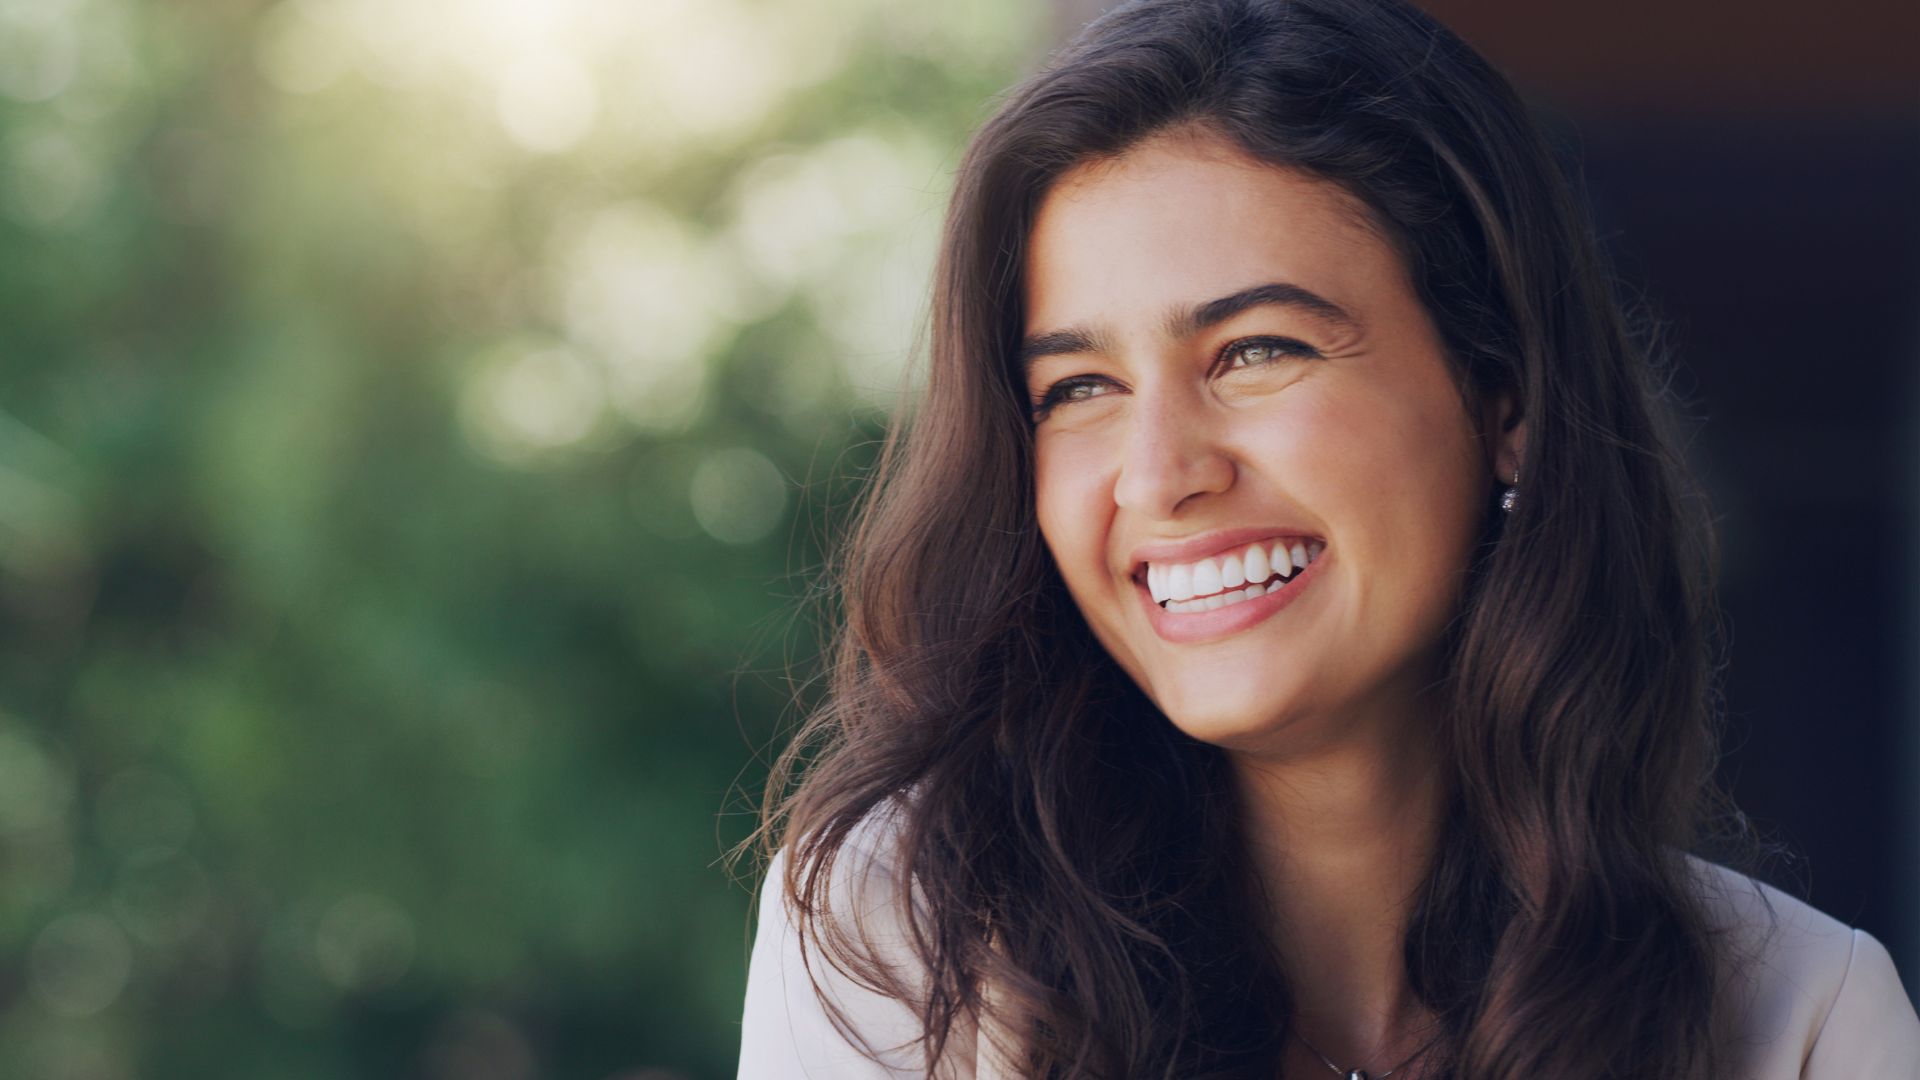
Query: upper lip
point(1212, 542)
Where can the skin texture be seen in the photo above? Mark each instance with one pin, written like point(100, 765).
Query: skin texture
point(1366, 442)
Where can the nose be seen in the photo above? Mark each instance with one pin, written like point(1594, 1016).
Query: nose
point(1172, 452)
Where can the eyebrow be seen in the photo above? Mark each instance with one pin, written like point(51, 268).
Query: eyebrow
point(1186, 321)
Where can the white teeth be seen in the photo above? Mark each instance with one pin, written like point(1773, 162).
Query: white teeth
point(1208, 584)
point(1231, 575)
point(1206, 578)
point(1225, 599)
point(1257, 567)
point(1180, 582)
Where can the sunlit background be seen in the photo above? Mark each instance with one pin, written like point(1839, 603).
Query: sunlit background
point(420, 423)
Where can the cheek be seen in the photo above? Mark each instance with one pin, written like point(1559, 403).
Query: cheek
point(1406, 471)
point(1329, 449)
point(1067, 503)
point(1388, 462)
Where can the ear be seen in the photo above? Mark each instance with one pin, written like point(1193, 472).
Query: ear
point(1505, 431)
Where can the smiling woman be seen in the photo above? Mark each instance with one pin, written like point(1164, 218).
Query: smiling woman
point(1282, 640)
point(1320, 414)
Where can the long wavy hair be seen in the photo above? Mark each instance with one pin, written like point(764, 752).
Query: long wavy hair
point(1075, 852)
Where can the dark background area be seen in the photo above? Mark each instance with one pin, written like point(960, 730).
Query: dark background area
point(1755, 172)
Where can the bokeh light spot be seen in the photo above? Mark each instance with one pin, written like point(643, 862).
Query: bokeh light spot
point(637, 289)
point(527, 403)
point(36, 789)
point(547, 102)
point(738, 495)
point(38, 51)
point(720, 71)
point(299, 55)
point(79, 964)
point(51, 177)
point(364, 941)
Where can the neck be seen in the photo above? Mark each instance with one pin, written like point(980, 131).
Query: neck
point(1342, 840)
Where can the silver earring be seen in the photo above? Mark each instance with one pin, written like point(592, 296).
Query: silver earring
point(1512, 492)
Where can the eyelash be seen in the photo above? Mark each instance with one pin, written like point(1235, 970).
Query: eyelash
point(1055, 394)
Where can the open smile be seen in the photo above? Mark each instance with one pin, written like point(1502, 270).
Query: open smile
point(1208, 599)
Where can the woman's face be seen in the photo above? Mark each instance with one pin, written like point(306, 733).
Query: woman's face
point(1241, 372)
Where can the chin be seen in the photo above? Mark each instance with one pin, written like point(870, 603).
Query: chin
point(1225, 716)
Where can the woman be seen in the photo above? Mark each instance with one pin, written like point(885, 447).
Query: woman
point(1281, 641)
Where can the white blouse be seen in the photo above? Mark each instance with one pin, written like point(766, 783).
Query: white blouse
point(1823, 1003)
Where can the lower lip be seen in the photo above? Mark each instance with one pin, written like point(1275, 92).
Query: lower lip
point(1186, 628)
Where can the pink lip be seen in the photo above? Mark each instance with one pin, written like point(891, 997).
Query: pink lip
point(1199, 626)
point(1215, 542)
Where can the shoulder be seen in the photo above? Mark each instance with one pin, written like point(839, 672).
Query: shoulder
point(1804, 994)
point(808, 1013)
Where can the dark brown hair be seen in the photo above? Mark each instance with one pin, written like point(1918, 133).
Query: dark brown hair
point(1079, 854)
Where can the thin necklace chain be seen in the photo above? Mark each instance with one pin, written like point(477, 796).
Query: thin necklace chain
point(1347, 1072)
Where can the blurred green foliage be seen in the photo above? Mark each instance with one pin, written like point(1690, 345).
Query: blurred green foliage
point(418, 424)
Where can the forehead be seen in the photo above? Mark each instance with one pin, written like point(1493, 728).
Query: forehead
point(1190, 216)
